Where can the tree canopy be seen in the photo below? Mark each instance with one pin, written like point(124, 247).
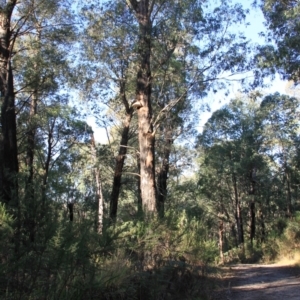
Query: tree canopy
point(142, 215)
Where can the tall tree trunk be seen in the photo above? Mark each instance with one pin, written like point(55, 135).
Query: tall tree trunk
point(9, 147)
point(120, 159)
point(139, 194)
point(221, 239)
point(143, 11)
point(252, 205)
point(29, 188)
point(263, 227)
point(46, 165)
point(238, 213)
point(99, 194)
point(252, 221)
point(289, 208)
point(163, 172)
point(9, 166)
point(31, 213)
point(31, 138)
point(233, 233)
point(8, 139)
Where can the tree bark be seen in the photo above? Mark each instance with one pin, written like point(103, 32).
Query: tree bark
point(289, 207)
point(144, 110)
point(8, 139)
point(263, 227)
point(252, 221)
point(46, 165)
point(163, 173)
point(139, 193)
point(252, 205)
point(9, 165)
point(238, 214)
point(120, 159)
point(30, 214)
point(221, 239)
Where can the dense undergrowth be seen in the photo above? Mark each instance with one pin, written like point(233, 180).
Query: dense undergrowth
point(130, 260)
point(282, 245)
point(173, 258)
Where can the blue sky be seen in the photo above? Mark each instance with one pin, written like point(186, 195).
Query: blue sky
point(256, 20)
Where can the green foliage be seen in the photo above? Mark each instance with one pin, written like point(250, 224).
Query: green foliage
point(248, 151)
point(282, 20)
point(286, 244)
point(132, 260)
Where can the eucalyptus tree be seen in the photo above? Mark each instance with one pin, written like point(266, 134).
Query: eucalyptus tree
point(99, 192)
point(167, 29)
point(40, 67)
point(171, 47)
point(231, 144)
point(109, 46)
point(174, 126)
point(41, 64)
point(279, 115)
point(281, 54)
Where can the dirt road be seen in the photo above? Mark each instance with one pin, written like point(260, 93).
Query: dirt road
point(261, 282)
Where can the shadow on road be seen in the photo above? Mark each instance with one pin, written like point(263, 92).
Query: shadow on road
point(259, 282)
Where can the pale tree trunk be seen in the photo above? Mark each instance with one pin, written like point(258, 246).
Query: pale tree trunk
point(143, 10)
point(147, 175)
point(46, 165)
point(99, 194)
point(221, 239)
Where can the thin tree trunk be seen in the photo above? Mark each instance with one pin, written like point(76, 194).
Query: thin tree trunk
point(46, 166)
point(31, 212)
point(120, 159)
point(234, 234)
point(263, 227)
point(99, 194)
point(163, 173)
point(221, 239)
point(29, 189)
point(144, 109)
point(31, 138)
point(288, 196)
point(139, 194)
point(100, 201)
point(252, 205)
point(252, 222)
point(9, 147)
point(238, 214)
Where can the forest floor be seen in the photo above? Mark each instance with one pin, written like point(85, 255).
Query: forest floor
point(260, 282)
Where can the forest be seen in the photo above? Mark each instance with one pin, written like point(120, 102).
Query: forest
point(152, 208)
